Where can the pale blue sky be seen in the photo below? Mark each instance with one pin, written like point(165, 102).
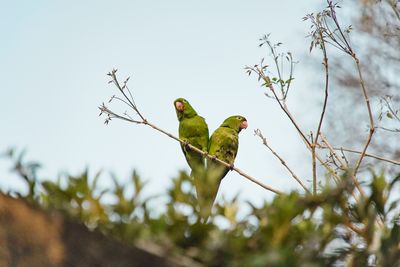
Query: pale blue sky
point(54, 56)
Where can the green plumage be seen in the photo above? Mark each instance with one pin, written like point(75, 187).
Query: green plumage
point(193, 129)
point(223, 144)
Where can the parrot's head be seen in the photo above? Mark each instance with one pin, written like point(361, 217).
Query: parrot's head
point(236, 122)
point(183, 109)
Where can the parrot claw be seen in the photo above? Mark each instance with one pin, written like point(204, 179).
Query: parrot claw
point(213, 158)
point(186, 145)
point(231, 166)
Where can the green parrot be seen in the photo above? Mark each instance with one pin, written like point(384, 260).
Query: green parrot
point(194, 130)
point(223, 144)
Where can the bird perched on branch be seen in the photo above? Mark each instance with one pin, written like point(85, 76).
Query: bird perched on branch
point(223, 144)
point(193, 129)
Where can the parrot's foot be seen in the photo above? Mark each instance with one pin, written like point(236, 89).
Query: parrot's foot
point(231, 167)
point(186, 145)
point(213, 158)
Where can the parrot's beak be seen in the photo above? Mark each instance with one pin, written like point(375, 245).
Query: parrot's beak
point(243, 125)
point(179, 106)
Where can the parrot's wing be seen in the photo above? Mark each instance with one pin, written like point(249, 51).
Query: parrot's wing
point(222, 145)
point(195, 132)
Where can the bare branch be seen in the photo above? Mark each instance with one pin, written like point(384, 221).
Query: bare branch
point(343, 164)
point(314, 168)
point(267, 82)
point(371, 118)
point(315, 141)
point(325, 63)
point(264, 141)
point(396, 162)
point(396, 130)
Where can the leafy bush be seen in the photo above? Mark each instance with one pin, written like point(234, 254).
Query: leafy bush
point(327, 229)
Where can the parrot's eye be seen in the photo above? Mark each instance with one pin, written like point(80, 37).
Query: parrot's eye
point(239, 118)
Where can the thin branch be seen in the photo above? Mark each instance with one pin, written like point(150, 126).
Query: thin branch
point(395, 11)
point(327, 167)
point(314, 169)
point(333, 152)
point(392, 111)
point(396, 130)
point(264, 141)
point(111, 115)
point(276, 64)
point(396, 162)
point(371, 118)
point(331, 34)
point(344, 164)
point(121, 89)
point(122, 100)
point(344, 156)
point(290, 75)
point(267, 81)
point(335, 20)
point(334, 44)
point(315, 141)
point(325, 63)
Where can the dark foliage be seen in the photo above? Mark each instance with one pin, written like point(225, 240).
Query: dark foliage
point(327, 229)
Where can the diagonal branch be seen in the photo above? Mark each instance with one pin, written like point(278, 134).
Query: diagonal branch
point(371, 118)
point(264, 141)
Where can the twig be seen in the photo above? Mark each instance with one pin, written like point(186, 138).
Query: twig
point(264, 141)
point(259, 71)
point(344, 165)
point(121, 89)
point(396, 130)
point(325, 63)
point(396, 162)
point(394, 8)
point(371, 118)
point(392, 111)
point(344, 157)
point(325, 141)
point(314, 164)
point(110, 115)
point(315, 141)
